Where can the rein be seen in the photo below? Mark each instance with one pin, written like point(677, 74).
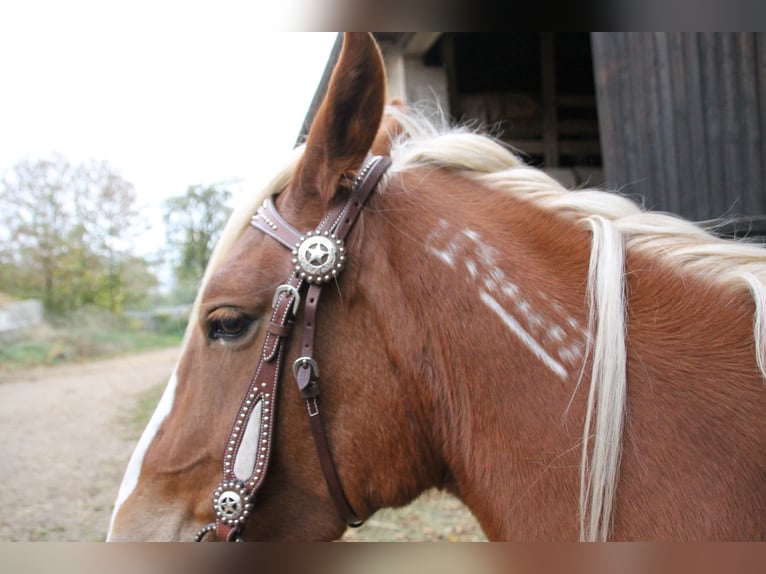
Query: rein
point(318, 257)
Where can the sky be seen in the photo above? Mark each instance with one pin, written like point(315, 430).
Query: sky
point(171, 94)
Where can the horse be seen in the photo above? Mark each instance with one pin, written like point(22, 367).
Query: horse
point(568, 364)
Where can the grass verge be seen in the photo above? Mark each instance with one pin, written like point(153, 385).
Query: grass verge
point(80, 342)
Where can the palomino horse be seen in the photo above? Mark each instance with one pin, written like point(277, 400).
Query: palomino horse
point(565, 363)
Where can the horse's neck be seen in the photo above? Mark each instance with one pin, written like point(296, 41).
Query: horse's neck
point(496, 288)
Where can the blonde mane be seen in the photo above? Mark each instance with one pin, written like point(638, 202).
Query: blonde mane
point(617, 226)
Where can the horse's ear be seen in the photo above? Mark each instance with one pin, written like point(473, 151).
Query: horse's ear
point(346, 123)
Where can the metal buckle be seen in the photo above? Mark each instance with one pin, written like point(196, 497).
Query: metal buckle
point(306, 362)
point(285, 288)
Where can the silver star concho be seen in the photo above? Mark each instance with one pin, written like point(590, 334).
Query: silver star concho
point(232, 503)
point(319, 257)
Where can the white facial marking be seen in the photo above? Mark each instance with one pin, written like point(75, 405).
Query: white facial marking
point(501, 295)
point(132, 472)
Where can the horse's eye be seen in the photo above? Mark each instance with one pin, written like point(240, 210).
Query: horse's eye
point(228, 324)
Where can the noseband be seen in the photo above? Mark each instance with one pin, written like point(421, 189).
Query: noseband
point(318, 257)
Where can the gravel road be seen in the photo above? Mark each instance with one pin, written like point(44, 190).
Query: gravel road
point(64, 443)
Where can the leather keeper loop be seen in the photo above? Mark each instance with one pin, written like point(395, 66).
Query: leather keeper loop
point(307, 384)
point(279, 330)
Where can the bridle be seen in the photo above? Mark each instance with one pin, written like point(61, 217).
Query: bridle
point(318, 257)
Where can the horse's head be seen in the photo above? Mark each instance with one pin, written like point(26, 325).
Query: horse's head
point(197, 436)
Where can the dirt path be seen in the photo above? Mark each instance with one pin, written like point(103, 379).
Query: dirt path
point(64, 443)
point(65, 438)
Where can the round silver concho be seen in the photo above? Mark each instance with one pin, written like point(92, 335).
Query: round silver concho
point(319, 257)
point(231, 502)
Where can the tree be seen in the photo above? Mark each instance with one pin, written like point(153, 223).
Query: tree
point(107, 213)
point(36, 218)
point(129, 282)
point(193, 224)
point(67, 232)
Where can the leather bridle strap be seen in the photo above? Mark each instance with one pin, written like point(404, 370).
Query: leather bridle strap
point(248, 449)
point(337, 224)
point(244, 472)
point(307, 378)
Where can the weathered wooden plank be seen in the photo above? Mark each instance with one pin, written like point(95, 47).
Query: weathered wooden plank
point(548, 74)
point(604, 70)
point(695, 202)
point(760, 81)
point(732, 130)
point(712, 103)
point(678, 72)
point(660, 125)
point(645, 179)
point(750, 110)
point(683, 120)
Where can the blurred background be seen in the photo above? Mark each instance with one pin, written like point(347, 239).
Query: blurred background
point(127, 135)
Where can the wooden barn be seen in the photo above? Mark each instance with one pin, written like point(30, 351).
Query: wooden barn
point(677, 120)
